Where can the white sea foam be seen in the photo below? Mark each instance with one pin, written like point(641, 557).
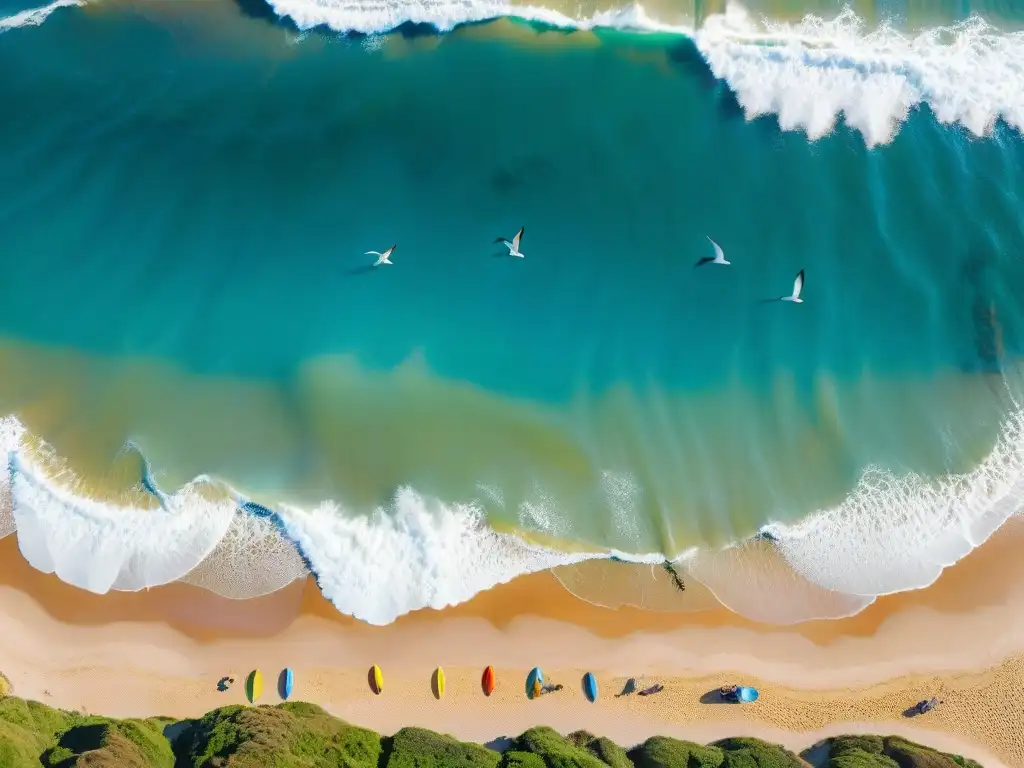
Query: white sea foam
point(252, 559)
point(891, 534)
point(895, 534)
point(416, 554)
point(808, 73)
point(11, 433)
point(99, 547)
point(33, 17)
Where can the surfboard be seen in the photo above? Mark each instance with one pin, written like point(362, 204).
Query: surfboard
point(747, 694)
point(439, 681)
point(287, 680)
point(487, 681)
point(535, 676)
point(254, 686)
point(376, 679)
point(590, 686)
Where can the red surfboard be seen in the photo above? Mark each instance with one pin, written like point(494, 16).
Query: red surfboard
point(487, 681)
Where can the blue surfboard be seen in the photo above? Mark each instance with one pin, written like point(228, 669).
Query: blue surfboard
point(285, 683)
point(747, 694)
point(535, 676)
point(590, 686)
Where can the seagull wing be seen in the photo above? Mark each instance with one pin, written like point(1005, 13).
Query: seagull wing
point(373, 253)
point(719, 253)
point(798, 284)
point(517, 238)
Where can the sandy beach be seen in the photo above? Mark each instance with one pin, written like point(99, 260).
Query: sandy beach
point(163, 650)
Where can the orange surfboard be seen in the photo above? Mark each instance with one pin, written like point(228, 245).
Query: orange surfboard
point(488, 680)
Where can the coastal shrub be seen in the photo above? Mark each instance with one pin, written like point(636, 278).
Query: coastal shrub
point(27, 729)
point(101, 743)
point(609, 753)
point(301, 735)
point(604, 749)
point(840, 745)
point(54, 757)
point(420, 748)
point(858, 758)
point(858, 752)
point(515, 758)
point(303, 709)
point(754, 753)
point(285, 736)
point(666, 752)
point(556, 750)
point(33, 715)
point(907, 754)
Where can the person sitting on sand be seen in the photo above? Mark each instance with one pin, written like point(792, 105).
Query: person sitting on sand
point(223, 683)
point(929, 705)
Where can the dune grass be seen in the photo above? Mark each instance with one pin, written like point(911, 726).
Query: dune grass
point(302, 735)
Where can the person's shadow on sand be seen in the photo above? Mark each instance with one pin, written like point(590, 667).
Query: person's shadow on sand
point(714, 696)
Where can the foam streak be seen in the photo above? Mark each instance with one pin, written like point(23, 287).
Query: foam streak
point(33, 17)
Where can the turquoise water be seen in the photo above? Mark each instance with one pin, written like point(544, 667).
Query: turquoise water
point(186, 196)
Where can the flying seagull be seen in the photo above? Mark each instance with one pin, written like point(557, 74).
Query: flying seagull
point(513, 244)
point(382, 258)
point(798, 285)
point(718, 258)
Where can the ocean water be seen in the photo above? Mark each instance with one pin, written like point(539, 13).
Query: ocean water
point(206, 380)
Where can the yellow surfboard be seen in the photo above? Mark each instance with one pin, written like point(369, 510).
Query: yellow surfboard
point(439, 680)
point(378, 679)
point(254, 686)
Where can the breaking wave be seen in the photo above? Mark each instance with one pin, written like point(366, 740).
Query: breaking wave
point(33, 17)
point(891, 534)
point(808, 74)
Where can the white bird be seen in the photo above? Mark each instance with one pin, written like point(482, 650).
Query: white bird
point(382, 258)
point(513, 244)
point(798, 285)
point(718, 258)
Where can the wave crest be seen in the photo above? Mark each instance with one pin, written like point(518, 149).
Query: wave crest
point(810, 74)
point(890, 534)
point(33, 17)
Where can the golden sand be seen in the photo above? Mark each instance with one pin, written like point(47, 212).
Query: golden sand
point(161, 652)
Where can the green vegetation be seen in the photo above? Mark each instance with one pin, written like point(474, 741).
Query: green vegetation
point(888, 752)
point(300, 735)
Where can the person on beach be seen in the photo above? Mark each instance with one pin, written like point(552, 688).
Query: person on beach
point(929, 705)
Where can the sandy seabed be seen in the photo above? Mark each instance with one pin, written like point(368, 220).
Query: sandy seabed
point(162, 651)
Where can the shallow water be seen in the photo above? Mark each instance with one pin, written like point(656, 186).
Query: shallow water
point(187, 201)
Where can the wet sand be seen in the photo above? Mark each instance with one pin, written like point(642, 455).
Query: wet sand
point(161, 651)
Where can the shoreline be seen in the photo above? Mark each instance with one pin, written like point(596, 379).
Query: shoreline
point(974, 583)
point(160, 652)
